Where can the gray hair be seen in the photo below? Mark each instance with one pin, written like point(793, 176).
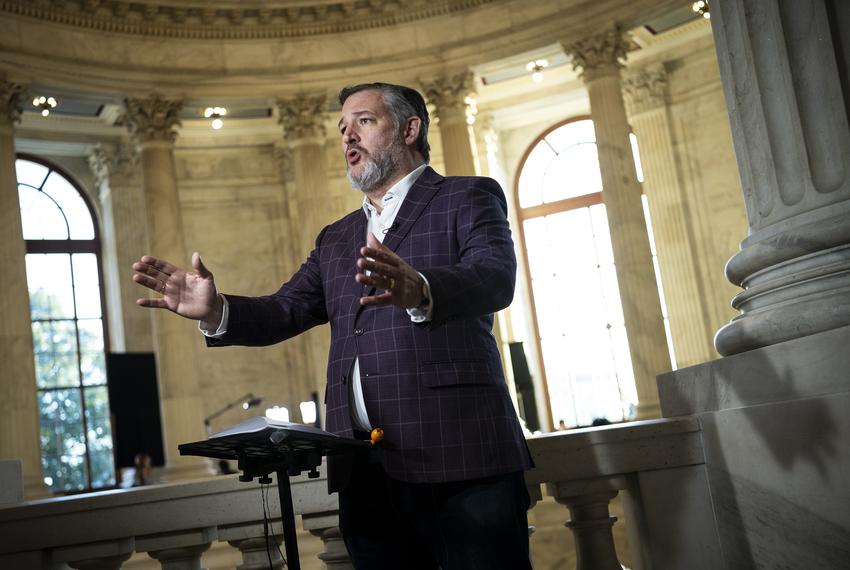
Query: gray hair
point(403, 103)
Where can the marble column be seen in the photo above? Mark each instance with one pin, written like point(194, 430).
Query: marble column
point(311, 207)
point(645, 91)
point(598, 59)
point(117, 172)
point(450, 95)
point(784, 67)
point(19, 426)
point(151, 122)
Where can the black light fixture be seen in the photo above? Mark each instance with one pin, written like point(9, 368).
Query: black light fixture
point(701, 8)
point(248, 401)
point(44, 104)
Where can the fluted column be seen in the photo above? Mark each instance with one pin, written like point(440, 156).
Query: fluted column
point(151, 122)
point(309, 202)
point(645, 91)
point(19, 428)
point(117, 172)
point(449, 94)
point(598, 58)
point(784, 71)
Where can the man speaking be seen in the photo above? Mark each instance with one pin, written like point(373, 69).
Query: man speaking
point(409, 284)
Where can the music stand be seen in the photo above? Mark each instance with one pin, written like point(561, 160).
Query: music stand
point(262, 446)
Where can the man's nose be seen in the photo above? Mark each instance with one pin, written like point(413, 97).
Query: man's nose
point(350, 136)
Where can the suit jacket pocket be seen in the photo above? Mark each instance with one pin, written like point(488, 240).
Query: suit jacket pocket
point(456, 373)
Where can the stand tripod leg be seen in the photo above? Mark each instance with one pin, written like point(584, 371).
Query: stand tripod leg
point(287, 517)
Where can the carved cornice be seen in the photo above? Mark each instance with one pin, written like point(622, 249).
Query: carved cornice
point(256, 20)
point(152, 118)
point(600, 54)
point(645, 88)
point(448, 94)
point(11, 101)
point(108, 161)
point(303, 116)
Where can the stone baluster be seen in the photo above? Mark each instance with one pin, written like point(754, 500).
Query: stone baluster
point(178, 550)
point(590, 522)
point(325, 526)
point(598, 59)
point(116, 170)
point(450, 94)
point(151, 122)
point(784, 73)
point(645, 91)
point(107, 555)
point(19, 431)
point(256, 548)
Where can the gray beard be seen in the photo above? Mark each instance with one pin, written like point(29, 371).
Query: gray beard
point(375, 173)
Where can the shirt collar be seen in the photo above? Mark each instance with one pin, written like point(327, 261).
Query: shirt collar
point(398, 190)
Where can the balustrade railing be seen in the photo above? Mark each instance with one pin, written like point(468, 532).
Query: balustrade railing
point(176, 523)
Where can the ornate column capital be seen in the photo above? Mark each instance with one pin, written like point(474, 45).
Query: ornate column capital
point(11, 101)
point(450, 94)
point(153, 118)
point(303, 117)
point(110, 160)
point(645, 88)
point(600, 54)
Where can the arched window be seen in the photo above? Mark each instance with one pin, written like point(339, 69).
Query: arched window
point(63, 277)
point(578, 315)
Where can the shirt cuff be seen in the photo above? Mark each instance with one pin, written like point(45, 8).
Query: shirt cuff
point(222, 327)
point(424, 312)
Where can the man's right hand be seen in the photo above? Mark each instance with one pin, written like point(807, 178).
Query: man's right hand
point(189, 294)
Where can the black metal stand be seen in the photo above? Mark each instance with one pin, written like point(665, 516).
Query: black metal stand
point(262, 447)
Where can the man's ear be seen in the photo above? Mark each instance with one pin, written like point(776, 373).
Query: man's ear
point(411, 130)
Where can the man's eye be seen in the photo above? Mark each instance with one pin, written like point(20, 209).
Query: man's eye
point(364, 120)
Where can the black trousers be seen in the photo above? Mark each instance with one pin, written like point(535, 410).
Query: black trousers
point(464, 525)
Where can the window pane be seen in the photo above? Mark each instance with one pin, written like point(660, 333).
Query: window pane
point(49, 282)
point(30, 173)
point(99, 437)
point(92, 365)
point(41, 218)
point(531, 177)
point(55, 352)
point(86, 286)
point(575, 172)
point(63, 447)
point(72, 204)
point(572, 133)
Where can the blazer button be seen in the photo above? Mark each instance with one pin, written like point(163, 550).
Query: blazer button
point(358, 332)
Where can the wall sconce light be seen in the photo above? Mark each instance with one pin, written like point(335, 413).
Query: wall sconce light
point(215, 113)
point(46, 104)
point(536, 68)
point(701, 8)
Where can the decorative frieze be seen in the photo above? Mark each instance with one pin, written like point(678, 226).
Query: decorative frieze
point(303, 116)
point(11, 101)
point(600, 54)
point(152, 118)
point(275, 19)
point(645, 88)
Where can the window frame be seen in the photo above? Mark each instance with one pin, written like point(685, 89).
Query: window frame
point(72, 246)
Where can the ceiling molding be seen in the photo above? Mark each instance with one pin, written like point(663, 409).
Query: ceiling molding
point(254, 21)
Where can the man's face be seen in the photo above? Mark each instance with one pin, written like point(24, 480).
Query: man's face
point(370, 142)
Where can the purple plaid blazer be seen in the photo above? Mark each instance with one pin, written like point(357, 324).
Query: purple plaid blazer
point(437, 389)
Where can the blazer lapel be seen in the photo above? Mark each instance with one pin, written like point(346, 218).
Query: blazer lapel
point(418, 197)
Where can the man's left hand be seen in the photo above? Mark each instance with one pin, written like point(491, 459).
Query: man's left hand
point(401, 283)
